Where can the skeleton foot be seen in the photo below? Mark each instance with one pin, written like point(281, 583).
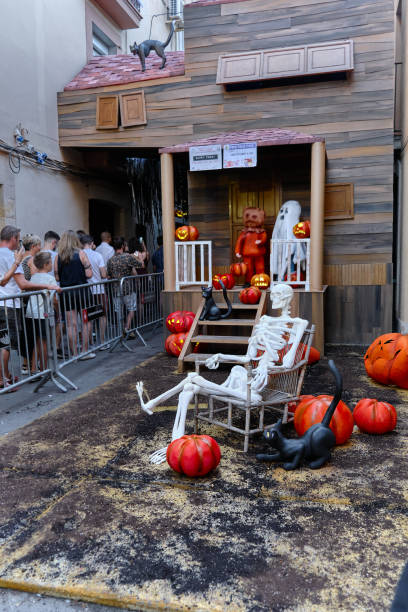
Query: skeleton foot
point(140, 390)
point(158, 456)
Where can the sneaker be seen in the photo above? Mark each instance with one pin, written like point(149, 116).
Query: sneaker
point(130, 335)
point(88, 356)
point(105, 347)
point(24, 370)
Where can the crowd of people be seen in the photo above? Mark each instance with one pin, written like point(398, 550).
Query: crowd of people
point(55, 264)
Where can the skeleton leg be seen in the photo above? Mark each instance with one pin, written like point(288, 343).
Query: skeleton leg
point(147, 406)
point(179, 426)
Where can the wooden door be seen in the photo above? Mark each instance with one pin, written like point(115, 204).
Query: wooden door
point(263, 195)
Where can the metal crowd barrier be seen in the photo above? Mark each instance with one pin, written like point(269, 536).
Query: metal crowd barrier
point(42, 332)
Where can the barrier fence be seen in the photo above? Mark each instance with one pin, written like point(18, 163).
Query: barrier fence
point(42, 332)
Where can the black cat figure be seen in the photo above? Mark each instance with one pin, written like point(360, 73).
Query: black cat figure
point(314, 447)
point(211, 312)
point(144, 49)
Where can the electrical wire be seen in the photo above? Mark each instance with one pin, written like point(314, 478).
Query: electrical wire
point(19, 154)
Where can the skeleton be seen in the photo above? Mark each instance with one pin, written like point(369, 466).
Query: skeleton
point(288, 216)
point(270, 335)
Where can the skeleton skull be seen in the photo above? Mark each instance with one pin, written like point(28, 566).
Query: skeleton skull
point(281, 297)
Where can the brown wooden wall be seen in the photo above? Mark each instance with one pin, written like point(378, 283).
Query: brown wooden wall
point(355, 116)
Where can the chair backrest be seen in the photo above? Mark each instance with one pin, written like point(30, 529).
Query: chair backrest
point(290, 380)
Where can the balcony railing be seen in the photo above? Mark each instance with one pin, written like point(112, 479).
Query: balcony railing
point(290, 260)
point(136, 4)
point(193, 263)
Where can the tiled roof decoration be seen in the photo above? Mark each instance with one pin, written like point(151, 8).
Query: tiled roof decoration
point(263, 138)
point(119, 69)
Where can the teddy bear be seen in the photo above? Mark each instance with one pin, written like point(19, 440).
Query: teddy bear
point(251, 243)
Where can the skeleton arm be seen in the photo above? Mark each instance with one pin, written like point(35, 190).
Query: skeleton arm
point(213, 362)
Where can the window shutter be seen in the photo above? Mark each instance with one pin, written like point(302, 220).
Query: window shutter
point(107, 112)
point(338, 201)
point(133, 109)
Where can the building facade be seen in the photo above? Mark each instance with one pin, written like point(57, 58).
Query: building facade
point(325, 69)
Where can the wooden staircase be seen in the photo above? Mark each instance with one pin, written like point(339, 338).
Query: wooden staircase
point(225, 336)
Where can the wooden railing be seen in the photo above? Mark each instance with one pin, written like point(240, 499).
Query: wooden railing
point(193, 263)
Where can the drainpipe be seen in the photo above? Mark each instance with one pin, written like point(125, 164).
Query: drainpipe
point(402, 278)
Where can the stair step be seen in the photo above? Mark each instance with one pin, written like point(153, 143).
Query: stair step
point(221, 339)
point(240, 306)
point(192, 357)
point(240, 322)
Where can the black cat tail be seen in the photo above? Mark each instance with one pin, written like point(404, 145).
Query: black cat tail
point(229, 305)
point(170, 35)
point(337, 397)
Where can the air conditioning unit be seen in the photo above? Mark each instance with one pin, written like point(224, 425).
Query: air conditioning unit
point(174, 9)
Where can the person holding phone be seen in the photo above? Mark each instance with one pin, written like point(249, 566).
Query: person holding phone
point(138, 248)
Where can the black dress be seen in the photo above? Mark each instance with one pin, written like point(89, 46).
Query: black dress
point(72, 274)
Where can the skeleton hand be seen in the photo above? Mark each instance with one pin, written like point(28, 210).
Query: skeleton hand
point(140, 390)
point(212, 362)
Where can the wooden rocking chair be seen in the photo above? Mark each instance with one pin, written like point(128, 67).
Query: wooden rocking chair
point(284, 386)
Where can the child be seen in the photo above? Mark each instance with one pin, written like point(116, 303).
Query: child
point(35, 311)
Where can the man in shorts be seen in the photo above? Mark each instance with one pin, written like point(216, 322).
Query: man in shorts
point(121, 265)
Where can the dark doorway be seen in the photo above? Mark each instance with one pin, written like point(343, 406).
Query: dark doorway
point(101, 218)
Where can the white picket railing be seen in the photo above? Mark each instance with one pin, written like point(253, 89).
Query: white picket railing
point(193, 263)
point(284, 257)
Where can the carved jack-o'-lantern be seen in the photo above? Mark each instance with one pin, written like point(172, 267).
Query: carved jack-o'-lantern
point(262, 281)
point(227, 279)
point(386, 360)
point(187, 233)
point(302, 229)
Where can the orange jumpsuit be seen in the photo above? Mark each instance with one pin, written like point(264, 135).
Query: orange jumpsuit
point(253, 255)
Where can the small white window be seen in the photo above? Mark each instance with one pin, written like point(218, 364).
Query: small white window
point(102, 44)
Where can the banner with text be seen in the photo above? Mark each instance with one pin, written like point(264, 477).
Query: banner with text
point(240, 155)
point(207, 157)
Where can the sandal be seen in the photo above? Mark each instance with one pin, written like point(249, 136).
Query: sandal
point(4, 385)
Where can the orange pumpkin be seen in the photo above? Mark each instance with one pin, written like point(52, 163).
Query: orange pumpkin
point(293, 277)
point(238, 269)
point(375, 417)
point(227, 279)
point(174, 343)
point(293, 405)
point(302, 229)
point(187, 233)
point(250, 295)
point(180, 321)
point(312, 410)
point(386, 360)
point(262, 281)
point(193, 455)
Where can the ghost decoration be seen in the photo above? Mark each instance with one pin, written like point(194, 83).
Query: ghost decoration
point(288, 216)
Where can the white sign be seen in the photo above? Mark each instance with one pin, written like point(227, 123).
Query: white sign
point(240, 155)
point(207, 157)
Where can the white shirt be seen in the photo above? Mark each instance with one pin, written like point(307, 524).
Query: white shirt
point(53, 256)
point(106, 251)
point(35, 308)
point(96, 261)
point(6, 261)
